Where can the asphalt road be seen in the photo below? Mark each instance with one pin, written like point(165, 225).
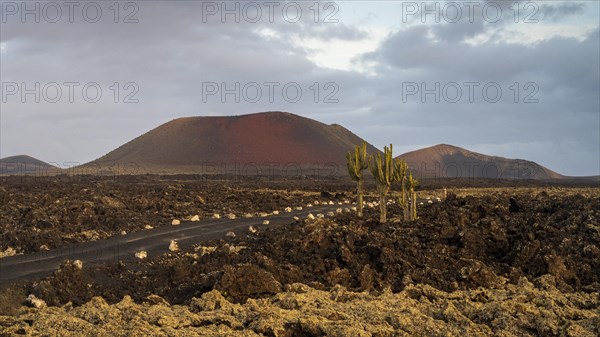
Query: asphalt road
point(154, 241)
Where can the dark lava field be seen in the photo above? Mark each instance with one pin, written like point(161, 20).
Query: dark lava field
point(481, 261)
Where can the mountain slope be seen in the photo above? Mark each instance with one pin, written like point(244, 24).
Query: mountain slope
point(24, 164)
point(451, 162)
point(269, 138)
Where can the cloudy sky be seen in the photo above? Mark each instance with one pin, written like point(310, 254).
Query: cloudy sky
point(514, 79)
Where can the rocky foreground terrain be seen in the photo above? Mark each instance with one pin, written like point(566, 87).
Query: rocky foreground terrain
point(504, 263)
point(523, 309)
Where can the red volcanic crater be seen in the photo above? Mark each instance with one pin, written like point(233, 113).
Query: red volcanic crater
point(263, 138)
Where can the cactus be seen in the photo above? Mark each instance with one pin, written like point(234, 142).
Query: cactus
point(400, 170)
point(357, 162)
point(411, 184)
point(382, 169)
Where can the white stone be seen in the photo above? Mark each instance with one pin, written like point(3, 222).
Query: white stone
point(248, 215)
point(78, 264)
point(331, 202)
point(266, 222)
point(216, 216)
point(296, 218)
point(252, 229)
point(309, 205)
point(36, 302)
point(195, 218)
point(310, 216)
point(288, 209)
point(150, 227)
point(339, 210)
point(141, 254)
point(123, 233)
point(231, 216)
point(320, 216)
point(230, 235)
point(298, 208)
point(263, 214)
point(173, 246)
point(275, 212)
point(316, 202)
point(429, 202)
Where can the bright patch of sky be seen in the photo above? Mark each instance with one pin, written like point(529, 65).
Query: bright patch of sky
point(380, 19)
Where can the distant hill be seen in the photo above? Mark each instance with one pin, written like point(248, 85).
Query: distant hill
point(449, 161)
point(235, 144)
point(24, 164)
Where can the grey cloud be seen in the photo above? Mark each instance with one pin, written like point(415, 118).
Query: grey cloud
point(553, 12)
point(455, 21)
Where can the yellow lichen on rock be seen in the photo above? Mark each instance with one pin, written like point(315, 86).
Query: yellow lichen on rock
point(523, 309)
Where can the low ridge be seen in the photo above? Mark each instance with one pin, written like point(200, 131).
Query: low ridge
point(450, 161)
point(24, 164)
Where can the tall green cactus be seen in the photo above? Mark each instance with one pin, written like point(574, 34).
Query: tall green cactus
point(382, 169)
point(400, 170)
point(411, 184)
point(357, 163)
